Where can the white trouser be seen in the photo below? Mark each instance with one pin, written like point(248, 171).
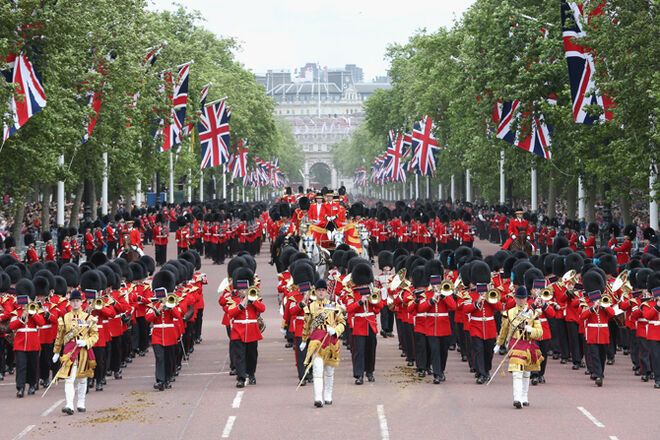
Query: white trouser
point(521, 386)
point(324, 377)
point(73, 385)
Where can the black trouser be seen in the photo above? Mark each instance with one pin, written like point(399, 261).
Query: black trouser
point(161, 254)
point(644, 356)
point(164, 362)
point(180, 250)
point(439, 348)
point(573, 333)
point(597, 358)
point(188, 336)
point(27, 363)
point(634, 349)
point(143, 333)
point(115, 354)
point(408, 341)
point(563, 339)
point(483, 354)
point(386, 320)
point(232, 364)
point(198, 324)
point(300, 356)
point(245, 356)
point(554, 330)
point(544, 346)
point(460, 340)
point(654, 347)
point(111, 249)
point(215, 252)
point(99, 371)
point(126, 339)
point(45, 362)
point(3, 358)
point(421, 355)
point(135, 337)
point(614, 339)
point(364, 353)
point(452, 324)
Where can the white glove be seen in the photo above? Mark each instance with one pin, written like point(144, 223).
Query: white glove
point(331, 331)
point(529, 328)
point(81, 343)
point(56, 357)
point(513, 236)
point(496, 349)
point(302, 346)
point(283, 331)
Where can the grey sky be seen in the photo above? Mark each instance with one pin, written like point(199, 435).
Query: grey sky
point(286, 34)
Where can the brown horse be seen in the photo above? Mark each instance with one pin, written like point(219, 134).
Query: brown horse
point(522, 244)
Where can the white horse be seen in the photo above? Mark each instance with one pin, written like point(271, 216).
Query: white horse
point(316, 253)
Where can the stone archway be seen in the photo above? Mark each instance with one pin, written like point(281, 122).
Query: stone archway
point(320, 175)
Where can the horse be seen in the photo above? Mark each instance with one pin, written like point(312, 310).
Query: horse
point(316, 253)
point(522, 244)
point(131, 253)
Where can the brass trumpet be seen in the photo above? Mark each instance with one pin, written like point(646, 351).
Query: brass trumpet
point(374, 297)
point(253, 294)
point(606, 301)
point(171, 301)
point(98, 303)
point(492, 296)
point(546, 294)
point(446, 288)
point(33, 308)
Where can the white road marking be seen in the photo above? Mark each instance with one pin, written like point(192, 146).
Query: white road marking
point(590, 416)
point(237, 400)
point(614, 437)
point(52, 408)
point(384, 431)
point(228, 426)
point(24, 432)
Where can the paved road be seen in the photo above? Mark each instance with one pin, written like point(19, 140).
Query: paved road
point(204, 402)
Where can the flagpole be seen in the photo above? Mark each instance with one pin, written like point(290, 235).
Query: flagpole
point(138, 193)
point(416, 186)
point(60, 195)
point(189, 185)
point(171, 195)
point(428, 187)
point(439, 191)
point(224, 182)
point(653, 205)
point(581, 207)
point(502, 179)
point(104, 185)
point(535, 204)
point(452, 189)
point(201, 185)
point(468, 187)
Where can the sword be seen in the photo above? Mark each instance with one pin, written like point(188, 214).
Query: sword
point(501, 363)
point(310, 362)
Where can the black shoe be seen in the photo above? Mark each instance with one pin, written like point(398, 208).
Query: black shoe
point(421, 374)
point(2, 377)
point(638, 372)
point(575, 367)
point(31, 390)
point(240, 383)
point(592, 377)
point(517, 405)
point(142, 353)
point(463, 358)
point(541, 379)
point(91, 383)
point(383, 334)
point(563, 361)
point(481, 380)
point(160, 386)
point(81, 409)
point(535, 381)
point(302, 383)
point(599, 381)
point(403, 355)
point(389, 335)
point(502, 351)
point(232, 371)
point(436, 380)
point(555, 356)
point(587, 372)
point(410, 363)
point(104, 382)
point(359, 380)
point(610, 362)
point(118, 375)
point(370, 377)
point(67, 411)
point(168, 385)
point(288, 345)
point(318, 404)
point(327, 402)
point(129, 361)
point(10, 371)
point(657, 385)
point(108, 373)
point(452, 347)
point(20, 393)
point(99, 387)
point(123, 365)
point(525, 403)
point(645, 378)
point(626, 352)
point(252, 380)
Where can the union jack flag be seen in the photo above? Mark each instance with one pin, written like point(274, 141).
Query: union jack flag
point(424, 147)
point(203, 94)
point(172, 127)
point(378, 169)
point(96, 100)
point(360, 178)
point(238, 160)
point(29, 97)
point(399, 145)
point(503, 116)
point(213, 128)
point(533, 134)
point(581, 69)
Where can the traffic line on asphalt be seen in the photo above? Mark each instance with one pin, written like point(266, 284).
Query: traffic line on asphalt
point(228, 426)
point(614, 437)
point(24, 432)
point(52, 408)
point(237, 400)
point(382, 420)
point(591, 417)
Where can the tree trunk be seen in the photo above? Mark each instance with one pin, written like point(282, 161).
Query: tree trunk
point(552, 194)
point(625, 210)
point(75, 209)
point(45, 211)
point(18, 219)
point(571, 199)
